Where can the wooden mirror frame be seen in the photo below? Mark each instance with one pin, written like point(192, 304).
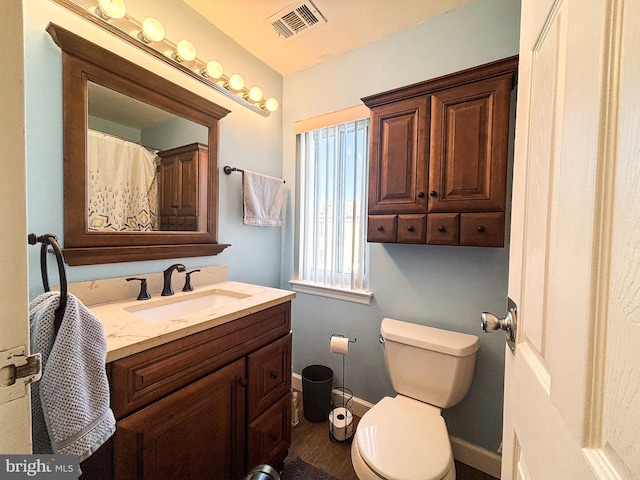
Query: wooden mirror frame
point(83, 61)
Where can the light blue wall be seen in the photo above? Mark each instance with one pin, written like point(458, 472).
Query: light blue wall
point(247, 140)
point(445, 287)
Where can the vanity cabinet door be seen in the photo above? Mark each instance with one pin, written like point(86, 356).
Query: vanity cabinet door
point(196, 432)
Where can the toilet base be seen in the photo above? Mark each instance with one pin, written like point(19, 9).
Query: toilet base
point(363, 472)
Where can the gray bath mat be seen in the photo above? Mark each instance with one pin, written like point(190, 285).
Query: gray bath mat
point(298, 469)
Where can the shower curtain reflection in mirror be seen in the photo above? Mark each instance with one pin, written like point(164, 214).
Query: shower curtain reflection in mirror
point(122, 185)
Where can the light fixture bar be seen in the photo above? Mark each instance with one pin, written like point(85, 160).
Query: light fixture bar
point(218, 84)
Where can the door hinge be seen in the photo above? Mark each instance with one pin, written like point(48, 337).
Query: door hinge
point(17, 370)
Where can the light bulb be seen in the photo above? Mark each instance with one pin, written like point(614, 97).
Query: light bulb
point(271, 104)
point(236, 82)
point(213, 69)
point(107, 9)
point(255, 94)
point(185, 51)
point(152, 31)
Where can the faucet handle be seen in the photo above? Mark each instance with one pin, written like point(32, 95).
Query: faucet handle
point(187, 281)
point(144, 291)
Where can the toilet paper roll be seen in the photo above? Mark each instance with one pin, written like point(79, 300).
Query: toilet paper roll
point(340, 345)
point(341, 421)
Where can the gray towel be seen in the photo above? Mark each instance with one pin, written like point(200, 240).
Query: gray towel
point(70, 404)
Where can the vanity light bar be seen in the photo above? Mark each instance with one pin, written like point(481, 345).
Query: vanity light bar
point(148, 36)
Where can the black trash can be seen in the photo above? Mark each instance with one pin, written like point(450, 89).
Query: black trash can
point(317, 383)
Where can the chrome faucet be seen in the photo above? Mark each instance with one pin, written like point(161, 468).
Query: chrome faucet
point(167, 288)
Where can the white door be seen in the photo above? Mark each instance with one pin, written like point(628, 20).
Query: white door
point(15, 419)
point(572, 389)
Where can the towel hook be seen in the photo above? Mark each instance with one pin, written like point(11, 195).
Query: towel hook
point(47, 240)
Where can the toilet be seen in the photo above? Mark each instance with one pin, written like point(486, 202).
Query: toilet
point(405, 437)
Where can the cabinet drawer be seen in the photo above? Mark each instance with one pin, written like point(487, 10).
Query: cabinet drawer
point(412, 228)
point(147, 376)
point(443, 228)
point(382, 228)
point(269, 375)
point(269, 435)
point(482, 229)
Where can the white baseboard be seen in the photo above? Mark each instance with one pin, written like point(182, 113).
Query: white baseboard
point(477, 457)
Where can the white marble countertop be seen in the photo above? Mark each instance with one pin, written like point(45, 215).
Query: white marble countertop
point(128, 333)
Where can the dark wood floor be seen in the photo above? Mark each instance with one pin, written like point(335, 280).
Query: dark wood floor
point(310, 441)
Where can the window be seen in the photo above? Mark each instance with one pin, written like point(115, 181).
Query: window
point(333, 254)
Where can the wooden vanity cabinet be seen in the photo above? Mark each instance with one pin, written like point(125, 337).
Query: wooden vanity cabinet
point(183, 174)
point(439, 156)
point(213, 404)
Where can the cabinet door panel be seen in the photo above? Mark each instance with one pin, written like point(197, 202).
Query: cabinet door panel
point(398, 158)
point(482, 229)
point(197, 432)
point(269, 375)
point(469, 138)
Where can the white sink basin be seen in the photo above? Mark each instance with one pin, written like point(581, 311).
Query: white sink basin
point(176, 307)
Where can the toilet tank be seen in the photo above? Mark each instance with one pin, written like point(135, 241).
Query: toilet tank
point(429, 364)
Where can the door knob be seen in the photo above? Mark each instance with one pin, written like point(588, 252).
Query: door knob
point(490, 323)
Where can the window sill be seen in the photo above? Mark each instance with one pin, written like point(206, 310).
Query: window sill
point(356, 296)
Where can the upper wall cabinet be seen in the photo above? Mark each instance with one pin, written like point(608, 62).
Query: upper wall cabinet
point(438, 164)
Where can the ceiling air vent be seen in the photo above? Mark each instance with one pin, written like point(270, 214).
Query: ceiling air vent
point(297, 18)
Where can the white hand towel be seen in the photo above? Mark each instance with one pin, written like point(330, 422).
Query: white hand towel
point(263, 198)
point(70, 404)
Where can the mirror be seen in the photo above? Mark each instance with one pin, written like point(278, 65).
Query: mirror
point(131, 151)
point(113, 110)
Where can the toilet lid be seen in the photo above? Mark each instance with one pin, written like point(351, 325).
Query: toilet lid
point(401, 438)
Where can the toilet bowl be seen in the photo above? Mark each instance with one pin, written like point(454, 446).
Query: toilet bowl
point(405, 437)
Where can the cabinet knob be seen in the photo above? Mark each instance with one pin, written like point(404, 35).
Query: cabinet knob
point(480, 229)
point(274, 437)
point(243, 382)
point(441, 228)
point(273, 375)
point(433, 193)
point(421, 194)
point(410, 228)
point(380, 228)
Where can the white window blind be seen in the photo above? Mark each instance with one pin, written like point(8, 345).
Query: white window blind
point(333, 253)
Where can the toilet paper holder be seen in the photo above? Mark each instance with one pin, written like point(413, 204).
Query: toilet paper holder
point(340, 335)
point(341, 415)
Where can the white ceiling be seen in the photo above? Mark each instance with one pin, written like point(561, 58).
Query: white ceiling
point(350, 25)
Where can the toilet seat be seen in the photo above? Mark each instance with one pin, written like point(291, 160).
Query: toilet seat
point(402, 438)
